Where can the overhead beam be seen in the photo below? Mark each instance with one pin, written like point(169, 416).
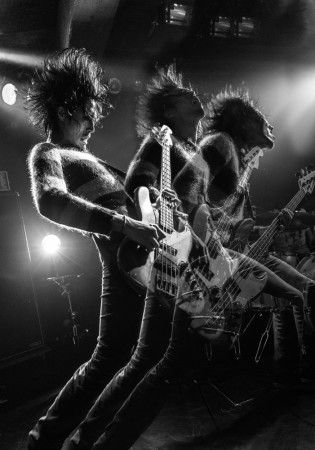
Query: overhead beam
point(92, 21)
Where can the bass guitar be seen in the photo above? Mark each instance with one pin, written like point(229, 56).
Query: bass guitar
point(159, 269)
point(222, 312)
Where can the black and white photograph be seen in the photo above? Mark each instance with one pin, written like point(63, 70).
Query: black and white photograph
point(157, 224)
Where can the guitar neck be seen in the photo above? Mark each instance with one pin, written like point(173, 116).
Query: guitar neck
point(246, 176)
point(166, 212)
point(258, 250)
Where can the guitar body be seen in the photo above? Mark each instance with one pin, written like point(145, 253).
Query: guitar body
point(218, 310)
point(215, 327)
point(226, 278)
point(222, 310)
point(249, 286)
point(201, 301)
point(137, 264)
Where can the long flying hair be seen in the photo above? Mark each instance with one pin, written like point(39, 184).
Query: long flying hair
point(231, 111)
point(158, 97)
point(70, 79)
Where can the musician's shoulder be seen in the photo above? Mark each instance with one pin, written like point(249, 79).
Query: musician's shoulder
point(149, 151)
point(41, 149)
point(217, 146)
point(149, 143)
point(220, 140)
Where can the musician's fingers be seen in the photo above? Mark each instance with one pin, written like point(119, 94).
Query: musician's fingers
point(171, 194)
point(155, 234)
point(159, 234)
point(290, 213)
point(155, 243)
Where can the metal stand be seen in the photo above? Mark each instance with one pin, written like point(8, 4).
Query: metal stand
point(63, 282)
point(234, 404)
point(266, 332)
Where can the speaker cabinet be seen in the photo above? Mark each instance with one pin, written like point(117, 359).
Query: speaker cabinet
point(20, 328)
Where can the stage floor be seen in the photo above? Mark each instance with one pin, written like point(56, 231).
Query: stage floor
point(198, 416)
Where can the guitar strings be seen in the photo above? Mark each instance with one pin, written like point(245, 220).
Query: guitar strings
point(260, 251)
point(292, 204)
point(224, 302)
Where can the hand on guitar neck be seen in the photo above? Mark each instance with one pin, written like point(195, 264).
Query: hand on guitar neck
point(170, 196)
point(285, 217)
point(246, 228)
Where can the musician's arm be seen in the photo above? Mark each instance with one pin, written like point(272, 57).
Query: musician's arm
point(305, 217)
point(54, 202)
point(300, 218)
point(144, 169)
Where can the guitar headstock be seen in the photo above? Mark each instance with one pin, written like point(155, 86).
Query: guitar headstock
point(251, 159)
point(306, 179)
point(163, 135)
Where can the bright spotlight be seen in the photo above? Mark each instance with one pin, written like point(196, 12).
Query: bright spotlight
point(51, 244)
point(9, 94)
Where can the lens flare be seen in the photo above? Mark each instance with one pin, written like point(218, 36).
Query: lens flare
point(51, 244)
point(9, 94)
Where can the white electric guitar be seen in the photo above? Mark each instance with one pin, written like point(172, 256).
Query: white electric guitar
point(159, 269)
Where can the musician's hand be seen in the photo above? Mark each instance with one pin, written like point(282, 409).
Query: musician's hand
point(170, 195)
point(154, 194)
point(145, 234)
point(285, 217)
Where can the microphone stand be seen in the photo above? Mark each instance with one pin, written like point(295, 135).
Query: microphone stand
point(63, 282)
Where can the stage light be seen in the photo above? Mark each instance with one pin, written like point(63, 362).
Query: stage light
point(223, 27)
point(21, 59)
point(179, 13)
point(51, 244)
point(246, 27)
point(9, 94)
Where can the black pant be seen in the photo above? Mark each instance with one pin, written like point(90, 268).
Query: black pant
point(281, 319)
point(159, 358)
point(119, 325)
point(147, 389)
point(152, 343)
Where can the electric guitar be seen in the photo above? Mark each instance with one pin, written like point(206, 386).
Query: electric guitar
point(222, 311)
point(158, 270)
point(212, 275)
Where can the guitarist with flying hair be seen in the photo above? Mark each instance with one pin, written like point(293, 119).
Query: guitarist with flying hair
point(76, 190)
